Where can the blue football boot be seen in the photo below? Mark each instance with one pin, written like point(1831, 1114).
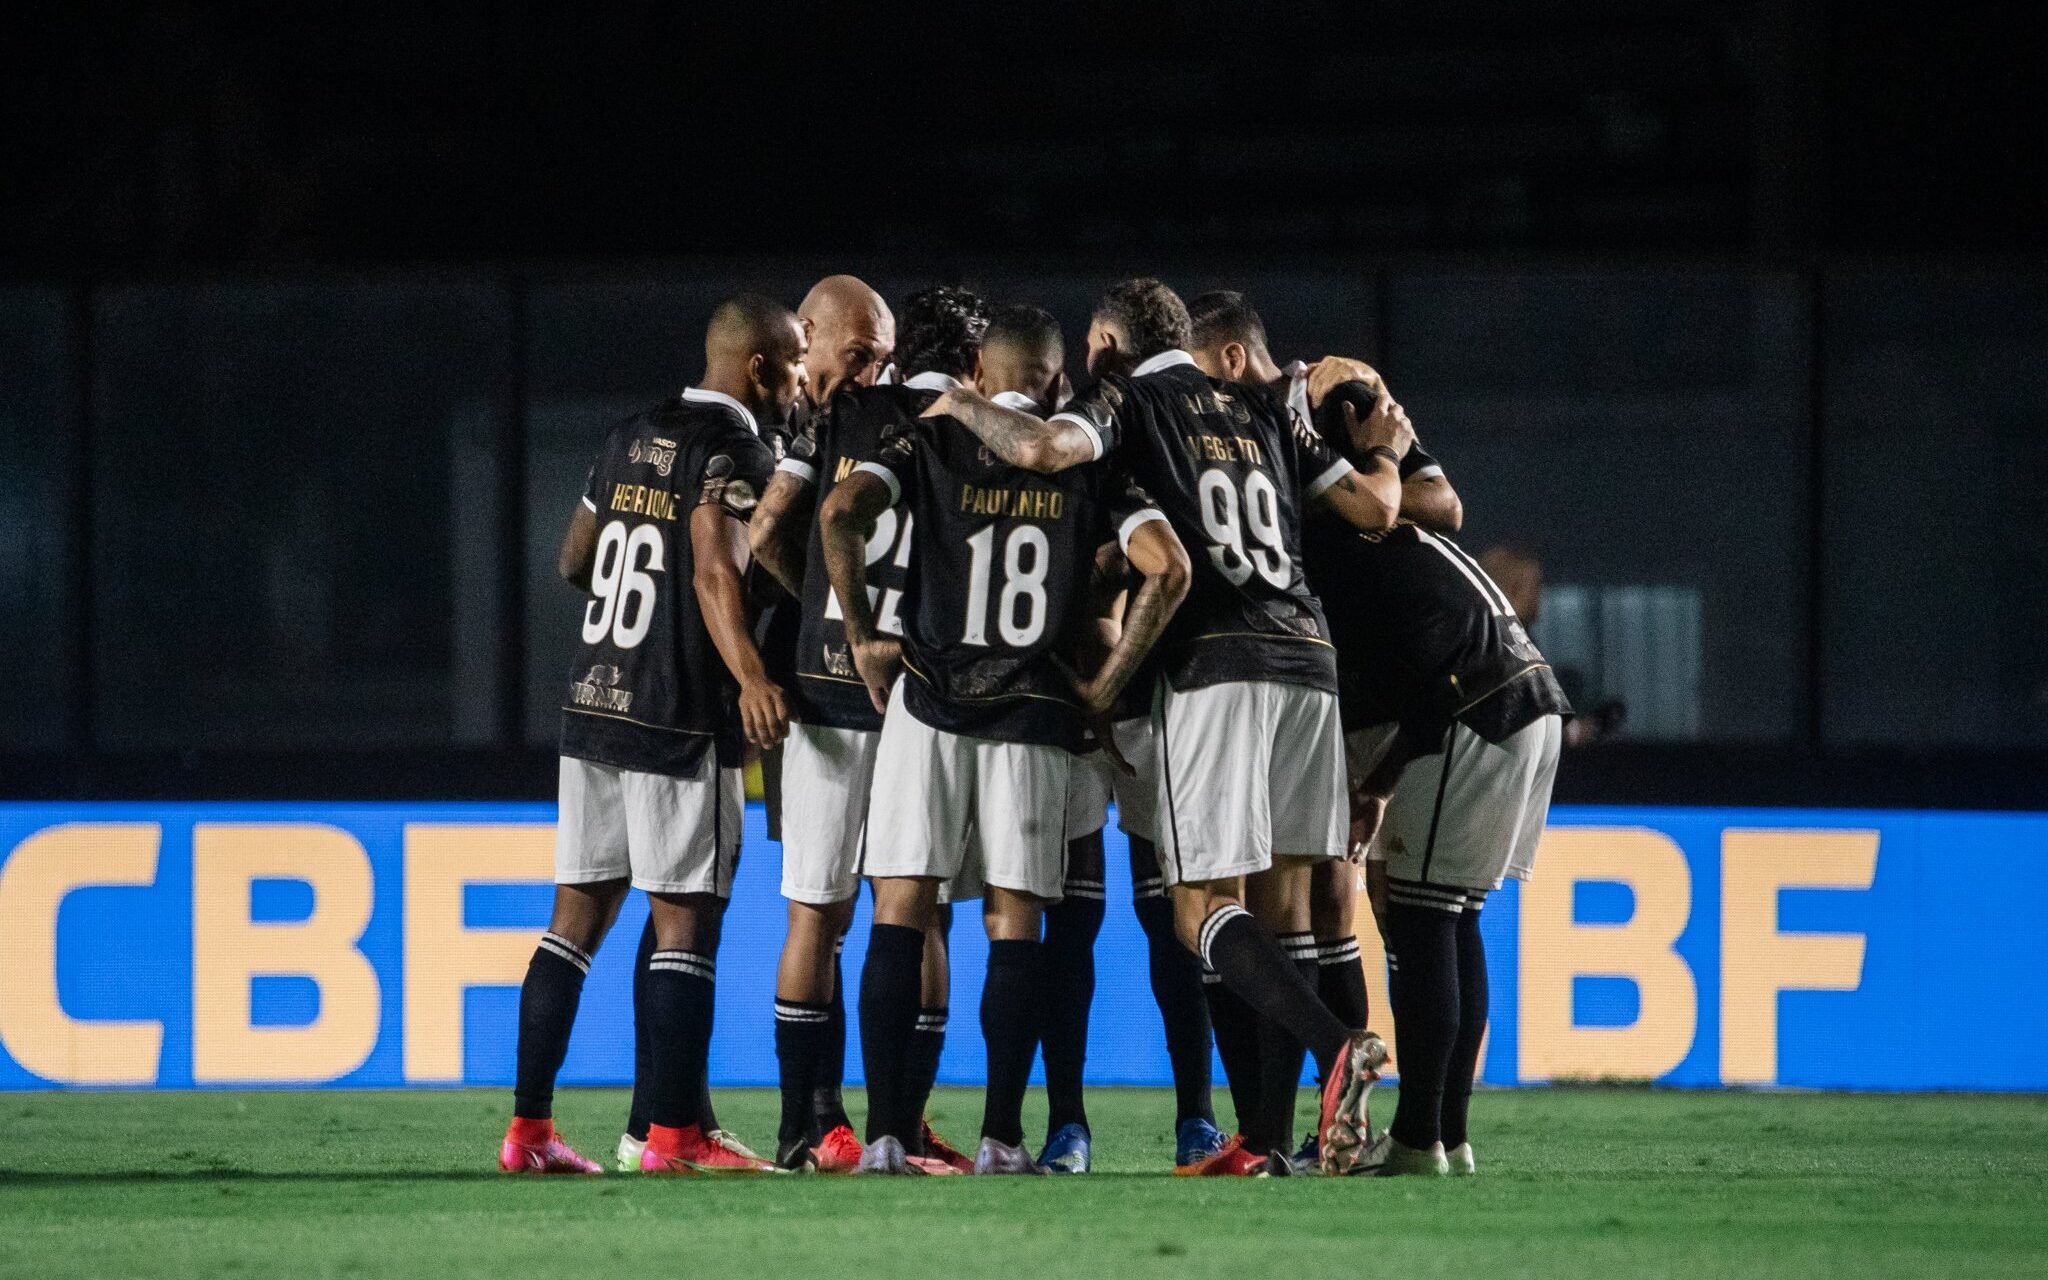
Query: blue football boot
point(1195, 1141)
point(1066, 1151)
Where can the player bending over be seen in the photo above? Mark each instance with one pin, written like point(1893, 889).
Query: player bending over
point(666, 686)
point(1251, 786)
point(977, 746)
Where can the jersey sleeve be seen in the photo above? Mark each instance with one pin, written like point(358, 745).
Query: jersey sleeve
point(1318, 465)
point(1099, 412)
point(590, 489)
point(1128, 507)
point(895, 456)
point(799, 455)
point(1418, 464)
point(735, 473)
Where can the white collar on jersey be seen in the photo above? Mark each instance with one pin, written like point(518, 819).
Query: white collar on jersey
point(701, 396)
point(932, 380)
point(1016, 400)
point(1164, 360)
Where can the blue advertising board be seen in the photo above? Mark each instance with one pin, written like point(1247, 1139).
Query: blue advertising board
point(376, 945)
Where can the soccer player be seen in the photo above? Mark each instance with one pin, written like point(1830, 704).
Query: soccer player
point(1251, 787)
point(974, 765)
point(827, 764)
point(666, 686)
point(1230, 344)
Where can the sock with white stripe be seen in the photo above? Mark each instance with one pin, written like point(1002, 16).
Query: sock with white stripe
point(1252, 963)
point(1422, 982)
point(889, 984)
point(1472, 1002)
point(681, 988)
point(921, 1070)
point(800, 1030)
point(1071, 927)
point(547, 1012)
point(1340, 981)
point(1280, 1059)
point(828, 1104)
point(1011, 1008)
point(643, 1047)
point(1176, 988)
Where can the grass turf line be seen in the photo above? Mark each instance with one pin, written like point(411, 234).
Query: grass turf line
point(1576, 1182)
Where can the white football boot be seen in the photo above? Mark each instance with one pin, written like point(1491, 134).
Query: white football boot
point(1460, 1158)
point(1386, 1158)
point(629, 1153)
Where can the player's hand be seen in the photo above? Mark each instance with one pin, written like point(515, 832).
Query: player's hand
point(763, 712)
point(1105, 737)
point(1326, 373)
point(1367, 811)
point(877, 662)
point(1387, 425)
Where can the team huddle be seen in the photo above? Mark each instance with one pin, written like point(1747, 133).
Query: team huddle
point(958, 610)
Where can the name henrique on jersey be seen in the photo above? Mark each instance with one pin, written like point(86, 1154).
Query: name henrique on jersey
point(1231, 471)
point(1425, 637)
point(828, 691)
point(649, 691)
point(1000, 579)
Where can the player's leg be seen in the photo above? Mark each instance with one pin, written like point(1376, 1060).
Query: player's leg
point(928, 1041)
point(1278, 898)
point(1332, 916)
point(591, 877)
point(1071, 927)
point(1462, 1068)
point(634, 1140)
point(804, 979)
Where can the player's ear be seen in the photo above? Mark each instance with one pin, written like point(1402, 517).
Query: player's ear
point(1234, 360)
point(755, 363)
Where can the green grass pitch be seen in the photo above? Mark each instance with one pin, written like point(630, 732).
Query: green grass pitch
point(1575, 1182)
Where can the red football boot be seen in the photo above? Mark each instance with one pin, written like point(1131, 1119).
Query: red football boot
point(838, 1151)
point(533, 1146)
point(937, 1148)
point(1232, 1160)
point(690, 1150)
point(1344, 1129)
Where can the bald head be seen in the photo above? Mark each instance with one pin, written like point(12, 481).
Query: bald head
point(754, 352)
point(851, 331)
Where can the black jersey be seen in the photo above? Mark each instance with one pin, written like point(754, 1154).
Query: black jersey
point(828, 690)
point(776, 612)
point(649, 691)
point(1231, 471)
point(1417, 462)
point(1424, 636)
point(1000, 579)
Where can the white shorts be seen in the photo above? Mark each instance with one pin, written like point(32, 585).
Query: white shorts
point(826, 775)
point(1088, 790)
point(969, 810)
point(668, 835)
point(1480, 825)
point(1249, 769)
point(1137, 793)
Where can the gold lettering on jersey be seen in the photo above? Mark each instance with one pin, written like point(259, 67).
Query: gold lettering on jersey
point(641, 500)
point(1020, 504)
point(844, 469)
point(1205, 447)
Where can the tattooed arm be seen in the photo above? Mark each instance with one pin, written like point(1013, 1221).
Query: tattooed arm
point(1016, 437)
point(1155, 552)
point(844, 524)
point(780, 527)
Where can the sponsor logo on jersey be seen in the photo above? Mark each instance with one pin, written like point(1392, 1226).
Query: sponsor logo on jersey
point(600, 690)
point(657, 453)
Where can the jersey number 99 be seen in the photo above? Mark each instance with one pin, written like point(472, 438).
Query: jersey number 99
point(1235, 556)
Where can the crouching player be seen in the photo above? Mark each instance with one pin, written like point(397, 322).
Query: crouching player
point(667, 680)
point(974, 765)
point(1453, 724)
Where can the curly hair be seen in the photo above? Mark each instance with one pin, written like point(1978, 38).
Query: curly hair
point(1151, 315)
point(940, 331)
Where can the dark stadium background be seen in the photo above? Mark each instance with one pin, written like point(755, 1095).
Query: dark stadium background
point(1733, 315)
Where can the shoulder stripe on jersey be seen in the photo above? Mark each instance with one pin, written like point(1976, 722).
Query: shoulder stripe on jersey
point(887, 477)
point(1338, 470)
point(588, 503)
point(1142, 516)
point(797, 467)
point(1484, 576)
point(1473, 573)
point(1094, 436)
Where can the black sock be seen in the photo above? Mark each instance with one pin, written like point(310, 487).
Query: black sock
point(1176, 988)
point(921, 1072)
point(1422, 981)
point(1280, 1060)
point(1237, 1043)
point(643, 1046)
point(681, 991)
point(798, 1029)
point(1010, 1012)
point(1464, 1066)
point(547, 1012)
point(1254, 965)
point(1071, 926)
point(1340, 981)
point(888, 1015)
point(828, 1104)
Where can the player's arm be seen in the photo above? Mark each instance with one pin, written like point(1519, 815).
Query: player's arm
point(1157, 555)
point(1427, 499)
point(1368, 496)
point(718, 545)
point(578, 555)
point(782, 524)
point(845, 523)
point(1018, 438)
